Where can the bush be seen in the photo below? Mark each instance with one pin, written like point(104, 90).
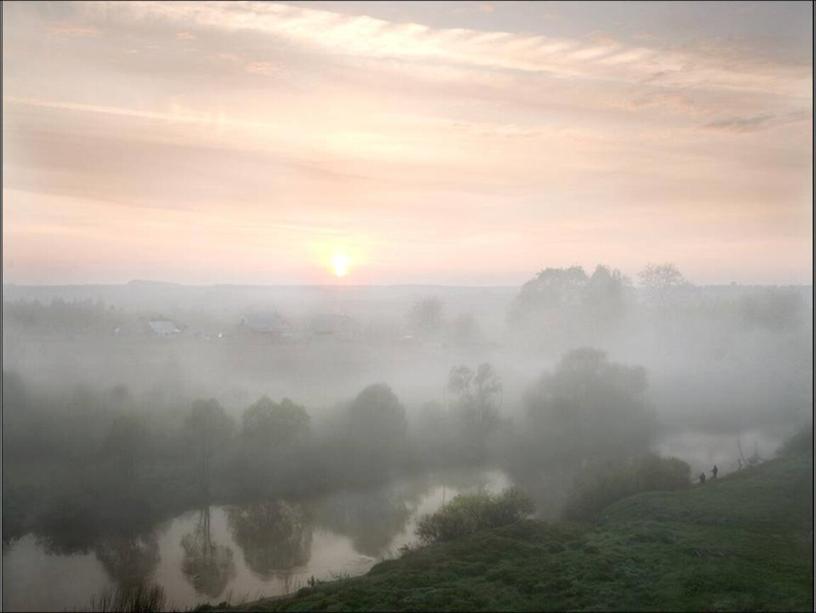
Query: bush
point(655, 473)
point(467, 514)
point(599, 486)
point(800, 443)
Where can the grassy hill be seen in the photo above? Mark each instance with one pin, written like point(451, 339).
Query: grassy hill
point(742, 542)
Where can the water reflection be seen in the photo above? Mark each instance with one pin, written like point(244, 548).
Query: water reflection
point(260, 549)
point(129, 561)
point(370, 520)
point(208, 567)
point(67, 530)
point(275, 536)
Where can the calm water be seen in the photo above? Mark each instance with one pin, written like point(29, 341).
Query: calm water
point(234, 553)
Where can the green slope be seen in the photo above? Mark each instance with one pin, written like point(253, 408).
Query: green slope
point(738, 543)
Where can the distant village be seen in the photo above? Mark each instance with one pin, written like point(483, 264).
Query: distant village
point(261, 325)
point(51, 319)
point(405, 316)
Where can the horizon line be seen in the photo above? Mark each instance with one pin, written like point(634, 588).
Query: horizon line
point(136, 282)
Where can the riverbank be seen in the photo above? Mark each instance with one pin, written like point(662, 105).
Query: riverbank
point(742, 542)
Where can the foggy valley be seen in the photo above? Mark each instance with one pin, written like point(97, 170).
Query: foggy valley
point(460, 305)
point(352, 411)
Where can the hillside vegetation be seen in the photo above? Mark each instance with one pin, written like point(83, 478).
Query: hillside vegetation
point(742, 542)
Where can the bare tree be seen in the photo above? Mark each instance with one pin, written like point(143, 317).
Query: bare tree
point(659, 280)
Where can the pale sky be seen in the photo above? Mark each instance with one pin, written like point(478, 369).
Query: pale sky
point(452, 142)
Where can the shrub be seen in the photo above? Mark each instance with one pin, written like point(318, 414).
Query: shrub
point(655, 473)
point(799, 444)
point(600, 485)
point(467, 514)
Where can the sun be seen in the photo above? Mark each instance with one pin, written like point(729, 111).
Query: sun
point(340, 264)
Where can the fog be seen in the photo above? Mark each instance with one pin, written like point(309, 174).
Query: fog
point(324, 420)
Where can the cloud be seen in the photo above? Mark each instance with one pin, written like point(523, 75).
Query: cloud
point(363, 36)
point(73, 30)
point(262, 68)
point(671, 100)
point(284, 117)
point(741, 124)
point(757, 122)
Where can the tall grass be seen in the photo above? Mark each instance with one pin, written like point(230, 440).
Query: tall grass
point(141, 598)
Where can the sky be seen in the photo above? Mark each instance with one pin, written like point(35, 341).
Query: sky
point(464, 143)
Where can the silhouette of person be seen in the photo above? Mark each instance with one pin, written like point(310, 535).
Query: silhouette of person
point(714, 472)
point(702, 478)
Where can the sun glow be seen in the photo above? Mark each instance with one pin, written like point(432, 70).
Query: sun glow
point(340, 264)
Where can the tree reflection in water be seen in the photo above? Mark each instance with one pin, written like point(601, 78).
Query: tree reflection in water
point(373, 518)
point(208, 566)
point(370, 519)
point(274, 536)
point(129, 561)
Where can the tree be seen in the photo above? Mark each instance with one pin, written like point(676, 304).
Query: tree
point(272, 434)
point(125, 445)
point(660, 280)
point(487, 387)
point(268, 424)
point(604, 296)
point(209, 428)
point(561, 305)
point(475, 404)
point(376, 418)
point(776, 309)
point(426, 316)
point(478, 392)
point(589, 408)
point(374, 436)
point(464, 329)
point(551, 289)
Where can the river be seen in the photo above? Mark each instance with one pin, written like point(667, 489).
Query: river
point(236, 553)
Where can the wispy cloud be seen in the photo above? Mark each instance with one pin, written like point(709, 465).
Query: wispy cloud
point(73, 30)
point(202, 125)
point(263, 68)
point(741, 124)
point(369, 37)
point(757, 122)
